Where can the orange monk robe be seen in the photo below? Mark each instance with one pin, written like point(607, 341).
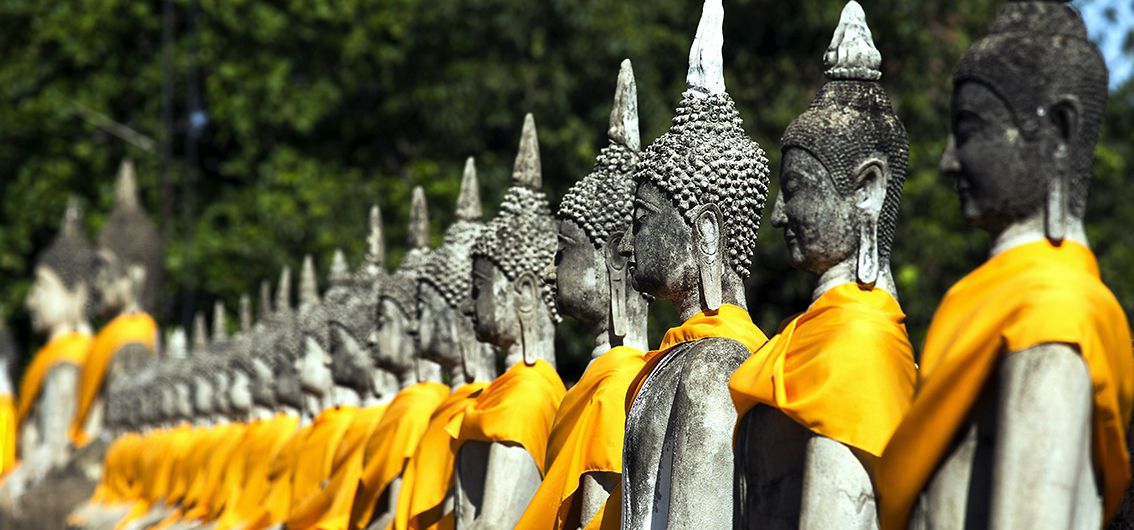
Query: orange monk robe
point(586, 438)
point(330, 507)
point(730, 322)
point(68, 348)
point(1024, 297)
point(261, 450)
point(844, 369)
point(196, 470)
point(106, 492)
point(391, 445)
point(428, 475)
point(307, 461)
point(7, 434)
point(211, 495)
point(154, 448)
point(127, 328)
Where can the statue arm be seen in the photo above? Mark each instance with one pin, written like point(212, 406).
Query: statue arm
point(596, 488)
point(1043, 425)
point(701, 427)
point(510, 482)
point(57, 409)
point(837, 492)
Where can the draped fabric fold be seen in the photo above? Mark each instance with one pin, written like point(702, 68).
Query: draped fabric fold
point(8, 426)
point(1029, 295)
point(844, 369)
point(428, 475)
point(71, 347)
point(137, 327)
point(263, 448)
point(391, 444)
point(586, 437)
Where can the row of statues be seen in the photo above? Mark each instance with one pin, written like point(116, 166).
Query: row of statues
point(377, 403)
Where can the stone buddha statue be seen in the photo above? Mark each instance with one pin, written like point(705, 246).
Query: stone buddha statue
point(445, 336)
point(500, 462)
point(274, 358)
point(58, 304)
point(592, 285)
point(1025, 387)
point(129, 270)
point(352, 303)
point(313, 360)
point(700, 191)
point(817, 403)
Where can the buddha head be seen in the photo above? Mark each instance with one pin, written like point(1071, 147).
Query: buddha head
point(352, 305)
point(60, 293)
point(284, 345)
point(395, 348)
point(594, 215)
point(844, 163)
point(445, 333)
point(129, 251)
point(314, 361)
point(700, 189)
point(240, 387)
point(1027, 109)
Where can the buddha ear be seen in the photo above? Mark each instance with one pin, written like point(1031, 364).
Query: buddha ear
point(708, 251)
point(1064, 116)
point(616, 281)
point(871, 180)
point(527, 303)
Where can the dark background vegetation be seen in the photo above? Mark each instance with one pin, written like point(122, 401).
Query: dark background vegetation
point(285, 120)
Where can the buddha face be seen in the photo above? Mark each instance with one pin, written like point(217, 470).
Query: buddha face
point(351, 361)
point(394, 345)
point(438, 330)
point(184, 399)
point(660, 252)
point(51, 304)
point(113, 282)
point(202, 394)
point(240, 391)
point(580, 273)
point(998, 172)
point(314, 367)
point(220, 397)
point(493, 305)
point(819, 223)
point(262, 390)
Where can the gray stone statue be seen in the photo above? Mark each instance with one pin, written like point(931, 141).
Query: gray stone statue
point(312, 359)
point(1029, 432)
point(843, 167)
point(514, 310)
point(701, 188)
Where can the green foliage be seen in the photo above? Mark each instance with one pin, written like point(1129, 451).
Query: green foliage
point(319, 109)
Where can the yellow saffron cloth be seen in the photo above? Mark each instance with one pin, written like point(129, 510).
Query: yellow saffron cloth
point(262, 447)
point(1029, 295)
point(586, 437)
point(71, 347)
point(844, 369)
point(428, 475)
point(329, 508)
point(211, 491)
point(7, 434)
point(730, 322)
point(518, 407)
point(392, 443)
point(127, 328)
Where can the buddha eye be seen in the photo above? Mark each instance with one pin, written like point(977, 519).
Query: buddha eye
point(966, 125)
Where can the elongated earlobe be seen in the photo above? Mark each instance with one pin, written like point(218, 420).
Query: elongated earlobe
point(1056, 214)
point(866, 269)
point(527, 298)
point(872, 177)
point(616, 281)
point(708, 245)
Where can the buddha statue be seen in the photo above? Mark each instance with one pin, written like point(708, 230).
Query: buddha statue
point(1025, 387)
point(502, 438)
point(818, 402)
point(278, 349)
point(58, 304)
point(700, 190)
point(313, 360)
point(445, 336)
point(584, 461)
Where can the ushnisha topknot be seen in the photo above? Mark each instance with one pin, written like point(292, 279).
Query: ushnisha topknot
point(602, 202)
point(70, 255)
point(706, 157)
point(131, 236)
point(523, 236)
point(449, 267)
point(1035, 51)
point(851, 119)
point(401, 286)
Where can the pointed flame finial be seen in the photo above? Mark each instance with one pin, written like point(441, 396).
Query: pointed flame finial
point(419, 220)
point(706, 64)
point(624, 113)
point(72, 218)
point(220, 322)
point(283, 291)
point(308, 285)
point(468, 202)
point(526, 172)
point(375, 242)
point(177, 344)
point(200, 333)
point(265, 300)
point(245, 313)
point(851, 54)
point(340, 272)
point(126, 187)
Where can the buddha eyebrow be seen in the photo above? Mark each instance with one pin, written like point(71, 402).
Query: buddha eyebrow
point(566, 238)
point(642, 203)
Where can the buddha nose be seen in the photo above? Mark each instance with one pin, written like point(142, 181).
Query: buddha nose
point(949, 166)
point(625, 245)
point(779, 218)
point(465, 307)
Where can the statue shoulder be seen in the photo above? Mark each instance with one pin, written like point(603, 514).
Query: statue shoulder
point(712, 361)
